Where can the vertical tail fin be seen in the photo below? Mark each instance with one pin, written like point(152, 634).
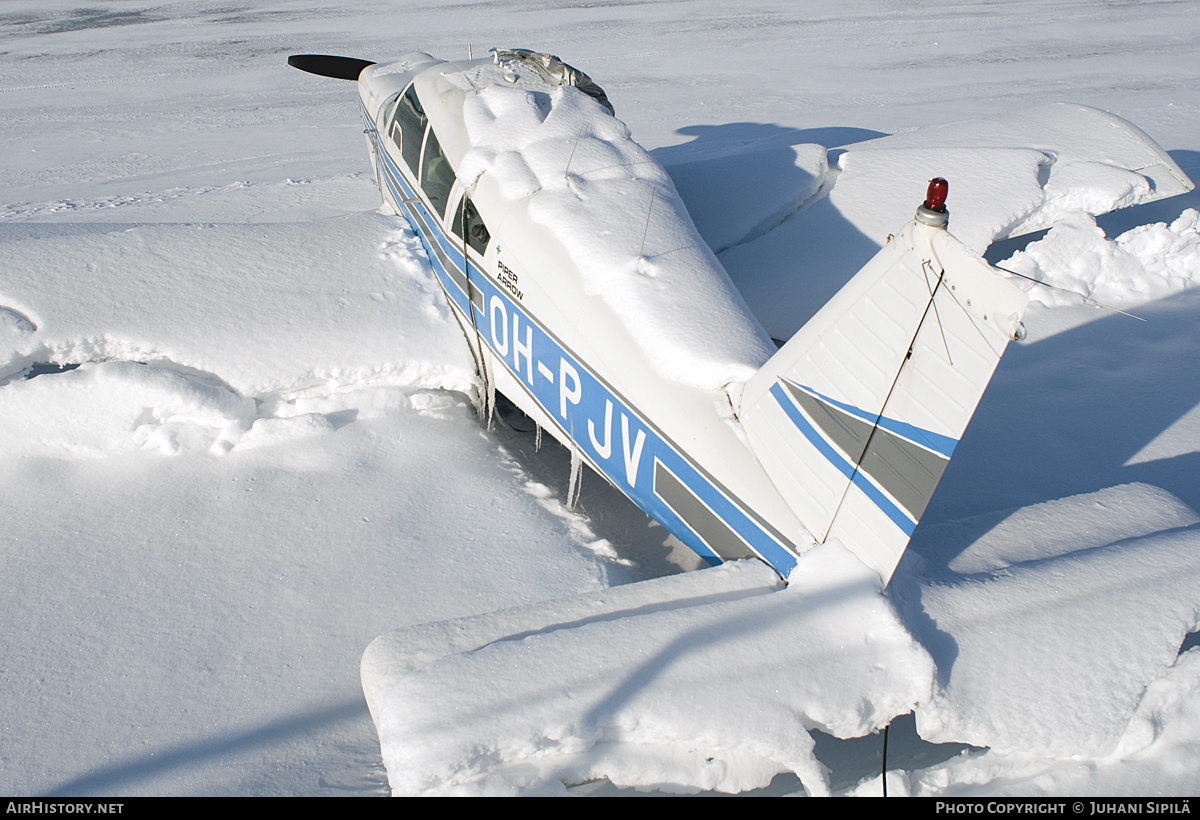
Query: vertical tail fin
point(856, 417)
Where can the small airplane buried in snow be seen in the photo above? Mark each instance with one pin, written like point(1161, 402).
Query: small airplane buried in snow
point(590, 301)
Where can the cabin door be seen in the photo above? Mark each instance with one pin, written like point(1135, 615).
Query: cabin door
point(473, 238)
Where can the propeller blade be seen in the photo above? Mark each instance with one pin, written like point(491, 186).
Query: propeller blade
point(327, 65)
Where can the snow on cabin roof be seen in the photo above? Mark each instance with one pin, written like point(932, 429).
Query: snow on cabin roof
point(378, 82)
point(584, 183)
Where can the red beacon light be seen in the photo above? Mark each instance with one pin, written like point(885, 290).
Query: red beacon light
point(935, 196)
point(933, 210)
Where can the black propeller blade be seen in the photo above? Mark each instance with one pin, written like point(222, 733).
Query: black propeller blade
point(327, 65)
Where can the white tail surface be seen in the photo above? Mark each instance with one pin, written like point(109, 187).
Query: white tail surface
point(856, 417)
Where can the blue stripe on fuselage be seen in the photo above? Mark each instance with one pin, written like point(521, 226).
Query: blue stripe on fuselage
point(617, 441)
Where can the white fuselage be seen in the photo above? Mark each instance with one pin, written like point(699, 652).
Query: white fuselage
point(588, 297)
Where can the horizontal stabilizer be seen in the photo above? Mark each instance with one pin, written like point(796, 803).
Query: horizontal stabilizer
point(856, 417)
point(1079, 141)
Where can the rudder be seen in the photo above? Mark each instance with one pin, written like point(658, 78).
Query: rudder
point(856, 417)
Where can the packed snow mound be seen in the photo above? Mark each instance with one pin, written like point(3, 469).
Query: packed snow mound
point(1169, 711)
point(1009, 175)
point(698, 687)
point(618, 216)
point(1143, 264)
point(110, 406)
point(1033, 641)
point(269, 310)
point(1088, 161)
point(996, 541)
point(994, 192)
point(1152, 756)
point(714, 679)
point(759, 187)
point(1022, 636)
point(1084, 187)
point(990, 189)
point(206, 337)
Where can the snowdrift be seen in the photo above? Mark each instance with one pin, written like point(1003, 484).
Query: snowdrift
point(714, 680)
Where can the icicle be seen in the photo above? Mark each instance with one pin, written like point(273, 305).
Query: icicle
point(576, 478)
point(537, 439)
point(491, 405)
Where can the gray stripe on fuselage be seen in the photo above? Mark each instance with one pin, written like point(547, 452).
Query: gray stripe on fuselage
point(719, 536)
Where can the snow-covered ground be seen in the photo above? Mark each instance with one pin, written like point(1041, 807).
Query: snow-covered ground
point(268, 455)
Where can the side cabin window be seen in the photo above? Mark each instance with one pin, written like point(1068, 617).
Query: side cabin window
point(408, 128)
point(468, 223)
point(437, 177)
point(385, 117)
